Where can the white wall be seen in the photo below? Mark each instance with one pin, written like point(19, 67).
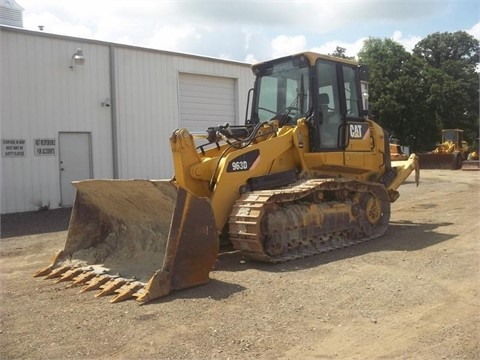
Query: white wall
point(40, 97)
point(147, 103)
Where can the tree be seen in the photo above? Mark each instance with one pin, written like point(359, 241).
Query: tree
point(455, 83)
point(396, 91)
point(341, 53)
point(410, 91)
point(440, 48)
point(416, 95)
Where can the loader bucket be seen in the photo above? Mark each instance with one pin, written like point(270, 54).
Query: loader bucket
point(471, 165)
point(451, 161)
point(136, 238)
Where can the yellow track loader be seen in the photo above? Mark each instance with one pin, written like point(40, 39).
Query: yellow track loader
point(448, 154)
point(308, 172)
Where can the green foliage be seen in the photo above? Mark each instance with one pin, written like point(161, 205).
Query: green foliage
point(341, 53)
point(440, 48)
point(417, 95)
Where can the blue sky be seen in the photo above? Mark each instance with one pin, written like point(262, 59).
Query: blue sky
point(251, 30)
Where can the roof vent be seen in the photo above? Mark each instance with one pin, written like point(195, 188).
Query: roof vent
point(11, 13)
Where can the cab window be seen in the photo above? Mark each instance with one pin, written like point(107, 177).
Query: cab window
point(328, 105)
point(351, 92)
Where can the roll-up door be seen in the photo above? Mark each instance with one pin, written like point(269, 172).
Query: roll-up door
point(206, 101)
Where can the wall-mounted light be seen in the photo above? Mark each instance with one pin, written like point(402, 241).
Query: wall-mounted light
point(77, 58)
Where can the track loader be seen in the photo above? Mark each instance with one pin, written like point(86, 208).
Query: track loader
point(308, 172)
point(448, 154)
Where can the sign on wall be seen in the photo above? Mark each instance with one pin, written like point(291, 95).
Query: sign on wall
point(13, 148)
point(44, 147)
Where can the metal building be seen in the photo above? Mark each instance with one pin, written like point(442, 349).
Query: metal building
point(74, 109)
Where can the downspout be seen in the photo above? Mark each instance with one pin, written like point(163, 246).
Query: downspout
point(113, 111)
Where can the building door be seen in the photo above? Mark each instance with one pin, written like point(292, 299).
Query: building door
point(206, 101)
point(75, 156)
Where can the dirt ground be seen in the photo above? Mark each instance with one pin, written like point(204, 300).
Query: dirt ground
point(411, 294)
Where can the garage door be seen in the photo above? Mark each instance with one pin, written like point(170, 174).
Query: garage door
point(206, 101)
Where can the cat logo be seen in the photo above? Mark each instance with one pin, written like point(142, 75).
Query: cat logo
point(355, 131)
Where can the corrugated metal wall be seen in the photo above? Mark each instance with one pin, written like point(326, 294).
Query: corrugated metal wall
point(147, 98)
point(41, 96)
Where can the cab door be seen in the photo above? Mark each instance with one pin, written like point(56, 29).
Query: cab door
point(328, 108)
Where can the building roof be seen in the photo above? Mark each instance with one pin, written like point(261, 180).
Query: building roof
point(10, 4)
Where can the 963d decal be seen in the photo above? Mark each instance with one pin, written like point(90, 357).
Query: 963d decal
point(244, 162)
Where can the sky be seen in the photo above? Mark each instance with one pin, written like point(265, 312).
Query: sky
point(251, 30)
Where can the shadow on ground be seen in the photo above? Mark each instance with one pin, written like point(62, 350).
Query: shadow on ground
point(400, 236)
point(34, 222)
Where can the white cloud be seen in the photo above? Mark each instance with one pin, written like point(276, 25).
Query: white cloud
point(408, 43)
point(285, 45)
point(171, 37)
point(351, 49)
point(53, 24)
point(475, 31)
point(321, 16)
point(238, 29)
point(251, 59)
point(248, 36)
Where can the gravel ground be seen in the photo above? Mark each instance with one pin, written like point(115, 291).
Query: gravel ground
point(411, 294)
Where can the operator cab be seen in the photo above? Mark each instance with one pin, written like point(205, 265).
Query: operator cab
point(323, 90)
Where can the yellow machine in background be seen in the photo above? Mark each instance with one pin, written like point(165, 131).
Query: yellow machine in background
point(452, 140)
point(448, 154)
point(472, 162)
point(473, 155)
point(396, 152)
point(307, 173)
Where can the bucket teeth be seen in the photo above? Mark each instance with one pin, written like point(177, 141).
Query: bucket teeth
point(58, 272)
point(95, 283)
point(43, 272)
point(69, 275)
point(110, 287)
point(48, 269)
point(82, 278)
point(126, 292)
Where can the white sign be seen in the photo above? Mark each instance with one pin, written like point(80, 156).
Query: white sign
point(13, 148)
point(43, 147)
